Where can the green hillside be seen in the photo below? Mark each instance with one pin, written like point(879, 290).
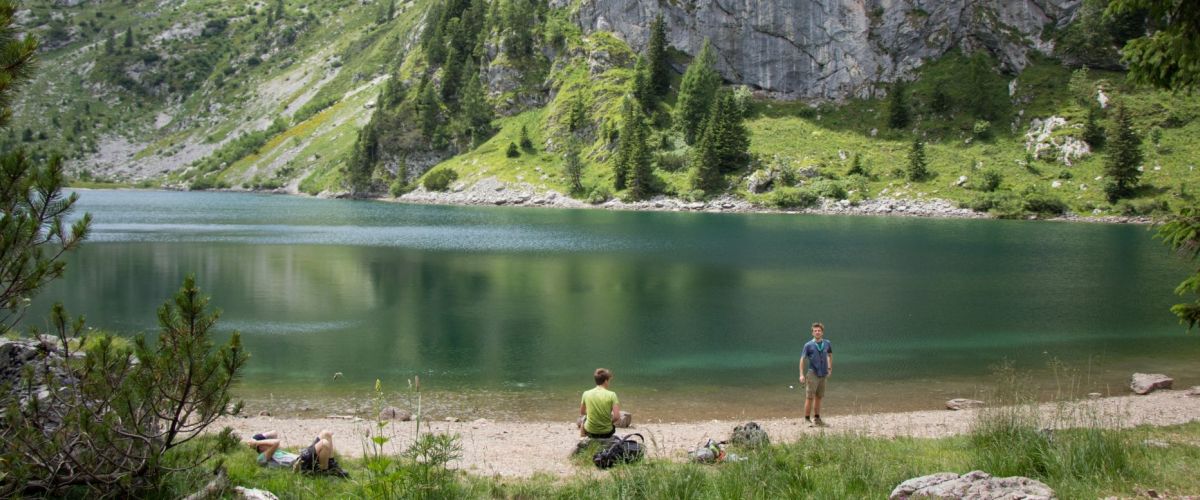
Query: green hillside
point(273, 96)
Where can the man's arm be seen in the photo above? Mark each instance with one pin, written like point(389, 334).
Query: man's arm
point(582, 409)
point(830, 365)
point(616, 413)
point(802, 360)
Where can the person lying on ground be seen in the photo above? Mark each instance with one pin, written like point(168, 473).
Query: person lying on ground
point(317, 457)
point(266, 444)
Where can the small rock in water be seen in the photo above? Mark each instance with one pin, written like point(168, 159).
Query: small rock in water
point(1094, 395)
point(1194, 391)
point(1145, 383)
point(264, 413)
point(453, 419)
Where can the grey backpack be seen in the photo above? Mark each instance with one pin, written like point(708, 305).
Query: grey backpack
point(750, 435)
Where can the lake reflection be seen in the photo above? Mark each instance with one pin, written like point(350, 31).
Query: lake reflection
point(504, 312)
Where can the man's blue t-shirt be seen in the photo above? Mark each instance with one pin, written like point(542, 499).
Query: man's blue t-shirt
point(818, 356)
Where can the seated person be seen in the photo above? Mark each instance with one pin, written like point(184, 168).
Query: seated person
point(600, 407)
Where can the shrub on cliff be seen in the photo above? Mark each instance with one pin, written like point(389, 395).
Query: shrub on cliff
point(439, 180)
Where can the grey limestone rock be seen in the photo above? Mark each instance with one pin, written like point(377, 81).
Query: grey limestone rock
point(833, 49)
point(1145, 383)
point(972, 485)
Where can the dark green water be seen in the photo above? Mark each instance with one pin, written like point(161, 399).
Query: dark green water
point(505, 312)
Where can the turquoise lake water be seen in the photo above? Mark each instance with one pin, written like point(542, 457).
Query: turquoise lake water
point(505, 312)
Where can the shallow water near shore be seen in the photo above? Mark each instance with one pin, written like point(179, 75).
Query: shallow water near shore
point(504, 312)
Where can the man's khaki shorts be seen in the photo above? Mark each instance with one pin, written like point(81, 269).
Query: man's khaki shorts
point(814, 386)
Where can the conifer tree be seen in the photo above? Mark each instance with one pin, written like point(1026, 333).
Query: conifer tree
point(856, 166)
point(128, 37)
point(577, 118)
point(621, 160)
point(918, 166)
point(473, 106)
point(361, 167)
point(573, 165)
point(732, 141)
point(526, 142)
point(659, 65)
point(640, 87)
point(1124, 158)
point(705, 160)
point(35, 212)
point(696, 92)
point(428, 109)
point(898, 117)
point(1093, 132)
point(110, 45)
point(639, 162)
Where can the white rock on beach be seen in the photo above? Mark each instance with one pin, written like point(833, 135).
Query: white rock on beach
point(975, 484)
point(1145, 383)
point(962, 404)
point(254, 494)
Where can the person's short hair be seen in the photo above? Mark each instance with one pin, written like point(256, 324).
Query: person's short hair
point(819, 325)
point(602, 375)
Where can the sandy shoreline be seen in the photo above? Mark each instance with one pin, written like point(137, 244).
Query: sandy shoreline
point(522, 449)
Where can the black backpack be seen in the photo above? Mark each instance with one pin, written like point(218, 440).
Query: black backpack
point(623, 450)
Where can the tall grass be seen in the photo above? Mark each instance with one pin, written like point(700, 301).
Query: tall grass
point(1072, 445)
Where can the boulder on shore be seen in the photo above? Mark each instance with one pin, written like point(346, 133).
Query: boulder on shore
point(1145, 383)
point(393, 413)
point(962, 404)
point(625, 421)
point(975, 484)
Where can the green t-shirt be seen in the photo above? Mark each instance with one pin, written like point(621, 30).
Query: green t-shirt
point(599, 403)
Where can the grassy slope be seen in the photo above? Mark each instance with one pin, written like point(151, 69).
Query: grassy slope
point(827, 137)
point(343, 55)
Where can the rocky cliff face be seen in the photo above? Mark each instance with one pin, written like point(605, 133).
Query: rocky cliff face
point(832, 49)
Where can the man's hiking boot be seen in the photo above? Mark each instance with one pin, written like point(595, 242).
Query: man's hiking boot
point(808, 420)
point(818, 422)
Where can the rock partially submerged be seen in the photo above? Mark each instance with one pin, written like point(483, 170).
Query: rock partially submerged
point(972, 485)
point(1145, 383)
point(957, 404)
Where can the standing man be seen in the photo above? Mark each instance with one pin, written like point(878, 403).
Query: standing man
point(815, 366)
point(600, 407)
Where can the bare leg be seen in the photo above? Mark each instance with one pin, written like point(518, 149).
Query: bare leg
point(271, 435)
point(324, 448)
point(808, 406)
point(816, 406)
